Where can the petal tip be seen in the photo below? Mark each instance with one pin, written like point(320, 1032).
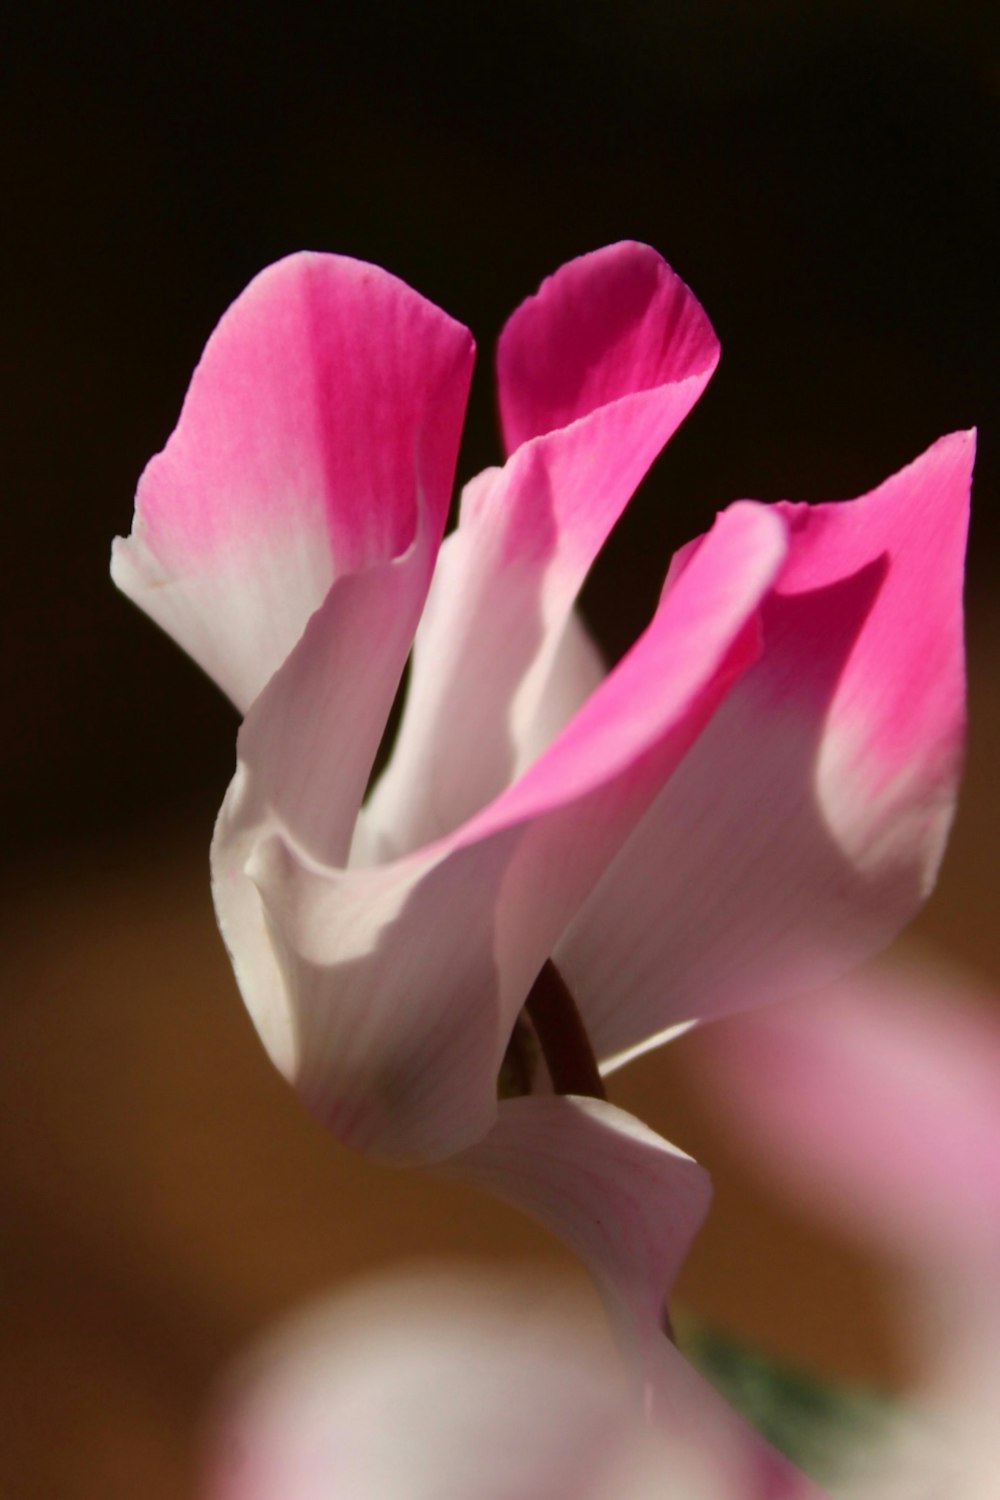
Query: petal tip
point(612, 322)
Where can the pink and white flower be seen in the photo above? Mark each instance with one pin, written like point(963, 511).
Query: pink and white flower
point(756, 797)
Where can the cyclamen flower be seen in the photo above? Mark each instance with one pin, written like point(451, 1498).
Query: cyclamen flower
point(877, 1105)
point(755, 798)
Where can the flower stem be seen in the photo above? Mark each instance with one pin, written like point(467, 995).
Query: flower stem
point(562, 1036)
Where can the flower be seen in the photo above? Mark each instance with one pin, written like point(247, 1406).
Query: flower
point(756, 797)
point(452, 1385)
point(876, 1105)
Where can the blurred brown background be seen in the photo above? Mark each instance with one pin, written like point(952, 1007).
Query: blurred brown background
point(825, 178)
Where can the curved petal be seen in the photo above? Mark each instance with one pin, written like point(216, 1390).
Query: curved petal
point(627, 338)
point(325, 412)
point(630, 1205)
point(605, 325)
point(806, 827)
point(623, 1199)
point(389, 993)
point(304, 755)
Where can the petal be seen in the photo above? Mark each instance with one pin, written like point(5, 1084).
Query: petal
point(576, 671)
point(604, 326)
point(304, 756)
point(389, 993)
point(630, 1205)
point(806, 827)
point(486, 668)
point(623, 1199)
point(323, 417)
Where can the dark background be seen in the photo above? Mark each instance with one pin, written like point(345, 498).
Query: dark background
point(823, 175)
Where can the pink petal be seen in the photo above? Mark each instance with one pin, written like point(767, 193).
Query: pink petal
point(621, 333)
point(806, 827)
point(389, 993)
point(319, 434)
point(606, 325)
